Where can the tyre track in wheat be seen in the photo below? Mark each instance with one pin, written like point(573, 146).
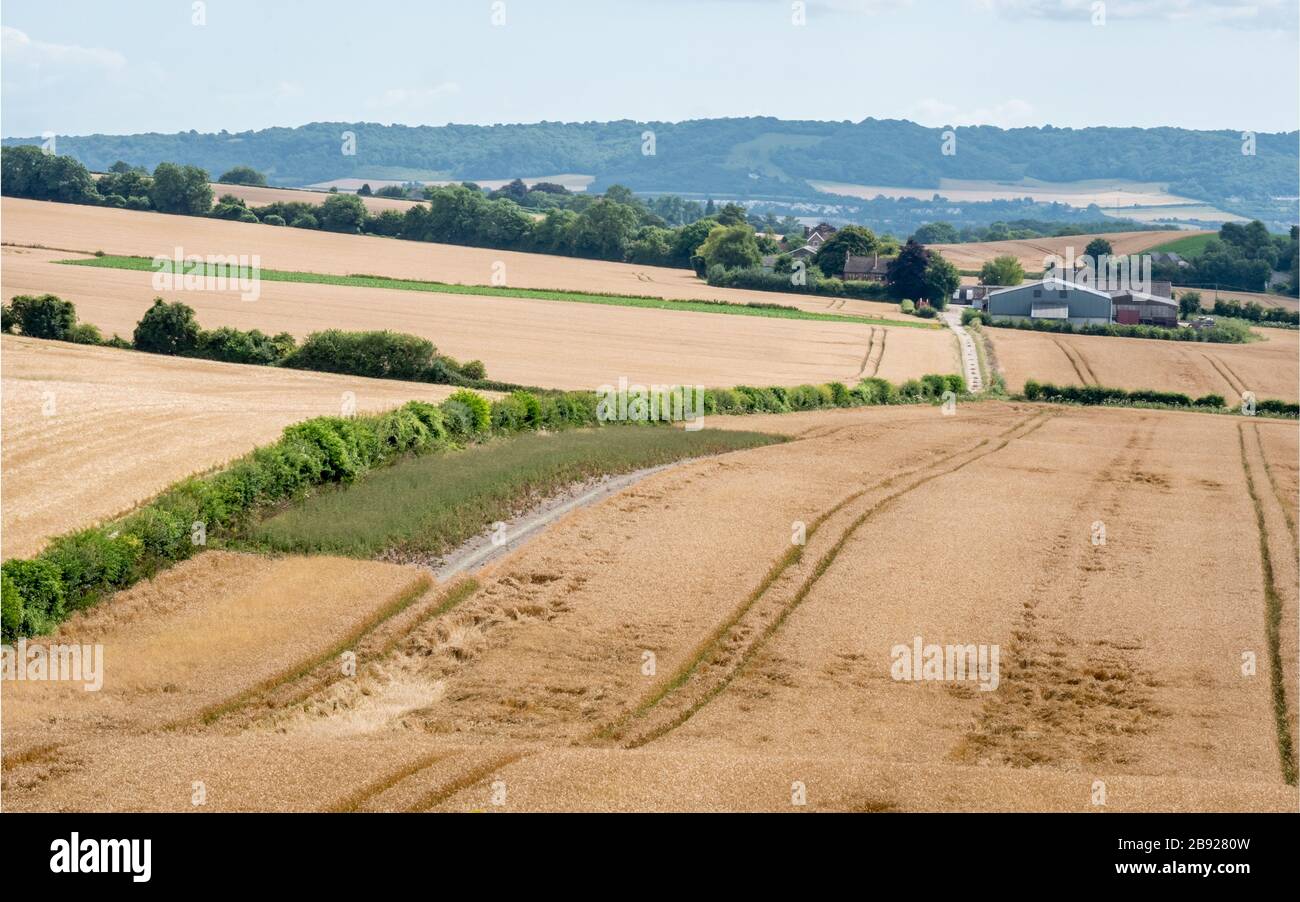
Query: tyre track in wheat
point(1273, 611)
point(726, 651)
point(1077, 362)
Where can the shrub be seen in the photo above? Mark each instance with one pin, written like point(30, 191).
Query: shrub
point(459, 419)
point(7, 319)
point(911, 390)
point(927, 313)
point(432, 419)
point(167, 329)
point(805, 397)
point(11, 608)
point(933, 386)
point(509, 414)
point(46, 316)
point(236, 346)
point(906, 306)
point(840, 396)
point(381, 355)
point(480, 410)
point(1210, 401)
point(474, 369)
point(139, 202)
point(272, 219)
point(36, 583)
point(955, 383)
point(305, 221)
point(85, 334)
point(94, 559)
point(874, 390)
point(401, 431)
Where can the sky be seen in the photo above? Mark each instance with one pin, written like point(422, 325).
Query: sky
point(73, 67)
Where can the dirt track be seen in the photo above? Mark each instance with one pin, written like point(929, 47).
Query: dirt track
point(1120, 661)
point(90, 432)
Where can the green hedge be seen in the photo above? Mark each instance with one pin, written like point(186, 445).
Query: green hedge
point(1096, 394)
point(1220, 333)
point(758, 279)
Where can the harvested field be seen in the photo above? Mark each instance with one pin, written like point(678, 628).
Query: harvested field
point(257, 196)
point(670, 649)
point(128, 232)
point(90, 432)
point(552, 344)
point(1270, 368)
point(1031, 252)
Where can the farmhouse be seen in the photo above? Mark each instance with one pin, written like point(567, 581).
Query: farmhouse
point(865, 269)
point(817, 235)
point(1060, 300)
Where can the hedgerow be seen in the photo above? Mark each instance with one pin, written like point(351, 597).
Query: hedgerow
point(1219, 333)
point(1100, 395)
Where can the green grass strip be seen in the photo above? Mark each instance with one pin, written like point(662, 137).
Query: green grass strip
point(424, 506)
point(146, 264)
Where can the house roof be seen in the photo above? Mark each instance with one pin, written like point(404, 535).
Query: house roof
point(865, 265)
point(1133, 297)
point(1053, 285)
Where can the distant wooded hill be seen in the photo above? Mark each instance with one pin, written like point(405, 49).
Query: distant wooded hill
point(750, 158)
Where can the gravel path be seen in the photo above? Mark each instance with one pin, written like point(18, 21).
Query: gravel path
point(970, 360)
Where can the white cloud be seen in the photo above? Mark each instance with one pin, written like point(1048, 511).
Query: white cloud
point(935, 113)
point(1262, 14)
point(20, 50)
point(412, 98)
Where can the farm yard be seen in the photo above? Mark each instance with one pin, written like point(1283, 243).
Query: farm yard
point(770, 666)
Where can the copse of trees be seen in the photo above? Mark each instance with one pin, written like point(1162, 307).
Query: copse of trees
point(1005, 270)
point(180, 189)
point(918, 273)
point(1241, 257)
point(243, 175)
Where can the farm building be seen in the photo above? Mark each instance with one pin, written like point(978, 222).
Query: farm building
point(975, 295)
point(1060, 300)
point(1133, 307)
point(1051, 299)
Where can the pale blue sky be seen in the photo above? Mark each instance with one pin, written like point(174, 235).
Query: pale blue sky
point(73, 67)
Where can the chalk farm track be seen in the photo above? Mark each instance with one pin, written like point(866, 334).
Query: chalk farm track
point(670, 649)
point(90, 432)
point(552, 344)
